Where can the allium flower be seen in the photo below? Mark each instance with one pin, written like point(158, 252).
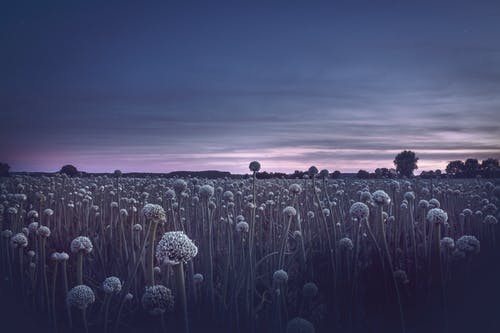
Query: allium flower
point(32, 214)
point(289, 211)
point(228, 196)
point(80, 297)
point(48, 212)
point(437, 215)
point(280, 276)
point(7, 233)
point(254, 166)
point(447, 243)
point(310, 214)
point(309, 290)
point(346, 244)
point(326, 212)
point(359, 210)
point(467, 212)
point(43, 231)
point(175, 247)
point(468, 244)
point(410, 196)
point(170, 195)
point(137, 227)
point(381, 198)
point(19, 240)
point(206, 191)
point(423, 204)
point(242, 227)
point(33, 226)
point(434, 203)
point(112, 285)
point(365, 196)
point(154, 213)
point(299, 325)
point(180, 185)
point(81, 243)
point(295, 189)
point(157, 300)
point(198, 278)
point(490, 219)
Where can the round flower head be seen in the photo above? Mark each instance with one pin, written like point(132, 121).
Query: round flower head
point(467, 212)
point(32, 214)
point(242, 227)
point(180, 185)
point(206, 191)
point(490, 219)
point(137, 227)
point(7, 233)
point(295, 189)
point(123, 213)
point(346, 244)
point(254, 166)
point(409, 196)
point(324, 173)
point(299, 325)
point(437, 216)
point(447, 243)
point(310, 214)
point(43, 231)
point(80, 297)
point(228, 196)
point(157, 300)
point(289, 211)
point(19, 240)
point(423, 204)
point(198, 278)
point(33, 226)
point(365, 196)
point(359, 210)
point(381, 198)
point(434, 203)
point(48, 212)
point(309, 290)
point(63, 256)
point(81, 243)
point(175, 247)
point(112, 285)
point(154, 213)
point(280, 276)
point(468, 244)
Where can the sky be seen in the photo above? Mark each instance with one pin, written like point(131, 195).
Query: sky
point(158, 86)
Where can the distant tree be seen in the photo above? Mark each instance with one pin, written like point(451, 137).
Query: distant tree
point(490, 168)
point(336, 174)
point(117, 173)
point(4, 169)
point(363, 174)
point(471, 167)
point(455, 168)
point(406, 163)
point(69, 170)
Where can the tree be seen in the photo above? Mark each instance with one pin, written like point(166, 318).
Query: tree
point(69, 170)
point(471, 167)
point(4, 169)
point(336, 174)
point(490, 167)
point(406, 163)
point(363, 174)
point(455, 168)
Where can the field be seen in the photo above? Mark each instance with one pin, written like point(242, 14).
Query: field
point(116, 254)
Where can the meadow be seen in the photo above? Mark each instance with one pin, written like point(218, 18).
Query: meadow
point(120, 254)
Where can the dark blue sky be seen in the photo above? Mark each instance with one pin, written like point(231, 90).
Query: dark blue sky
point(184, 85)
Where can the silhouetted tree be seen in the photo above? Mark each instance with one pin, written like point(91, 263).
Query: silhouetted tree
point(4, 169)
point(490, 168)
point(406, 163)
point(69, 170)
point(455, 168)
point(363, 174)
point(471, 167)
point(117, 173)
point(336, 174)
